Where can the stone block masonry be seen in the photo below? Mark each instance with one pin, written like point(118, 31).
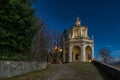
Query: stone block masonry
point(13, 68)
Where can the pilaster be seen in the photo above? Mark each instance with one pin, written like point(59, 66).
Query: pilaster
point(70, 53)
point(83, 53)
point(92, 52)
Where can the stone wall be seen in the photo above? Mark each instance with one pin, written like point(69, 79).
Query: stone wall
point(13, 68)
point(110, 70)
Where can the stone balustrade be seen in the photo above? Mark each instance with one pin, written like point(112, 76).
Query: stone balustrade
point(112, 71)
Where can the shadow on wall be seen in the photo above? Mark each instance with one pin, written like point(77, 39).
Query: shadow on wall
point(104, 73)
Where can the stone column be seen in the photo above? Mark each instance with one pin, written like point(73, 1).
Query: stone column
point(92, 52)
point(73, 34)
point(85, 33)
point(83, 53)
point(81, 32)
point(70, 53)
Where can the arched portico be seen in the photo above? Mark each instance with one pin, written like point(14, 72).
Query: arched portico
point(76, 54)
point(88, 53)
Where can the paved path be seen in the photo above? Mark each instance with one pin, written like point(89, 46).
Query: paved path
point(70, 71)
point(60, 72)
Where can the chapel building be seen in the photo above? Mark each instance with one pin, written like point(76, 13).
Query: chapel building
point(78, 47)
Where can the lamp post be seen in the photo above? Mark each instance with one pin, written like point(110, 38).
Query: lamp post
point(57, 52)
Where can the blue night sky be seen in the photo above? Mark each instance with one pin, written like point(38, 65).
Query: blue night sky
point(101, 16)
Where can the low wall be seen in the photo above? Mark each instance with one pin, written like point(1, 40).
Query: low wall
point(110, 70)
point(13, 68)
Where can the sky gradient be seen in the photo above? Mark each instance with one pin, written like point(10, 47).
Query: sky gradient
point(101, 16)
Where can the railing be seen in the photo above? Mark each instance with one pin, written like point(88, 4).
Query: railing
point(110, 70)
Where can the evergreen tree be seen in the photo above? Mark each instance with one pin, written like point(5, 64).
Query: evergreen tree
point(65, 35)
point(17, 26)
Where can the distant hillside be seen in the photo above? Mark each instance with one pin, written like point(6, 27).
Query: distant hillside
point(117, 63)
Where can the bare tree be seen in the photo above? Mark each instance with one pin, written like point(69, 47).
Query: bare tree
point(104, 53)
point(45, 40)
point(55, 37)
point(55, 40)
point(41, 43)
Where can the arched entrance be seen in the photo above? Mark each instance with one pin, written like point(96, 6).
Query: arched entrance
point(76, 54)
point(88, 54)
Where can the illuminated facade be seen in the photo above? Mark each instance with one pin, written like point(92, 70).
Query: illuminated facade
point(78, 47)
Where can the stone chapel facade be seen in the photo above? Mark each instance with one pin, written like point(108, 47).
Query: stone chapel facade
point(78, 47)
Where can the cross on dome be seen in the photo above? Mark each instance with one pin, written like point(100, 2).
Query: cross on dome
point(78, 18)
